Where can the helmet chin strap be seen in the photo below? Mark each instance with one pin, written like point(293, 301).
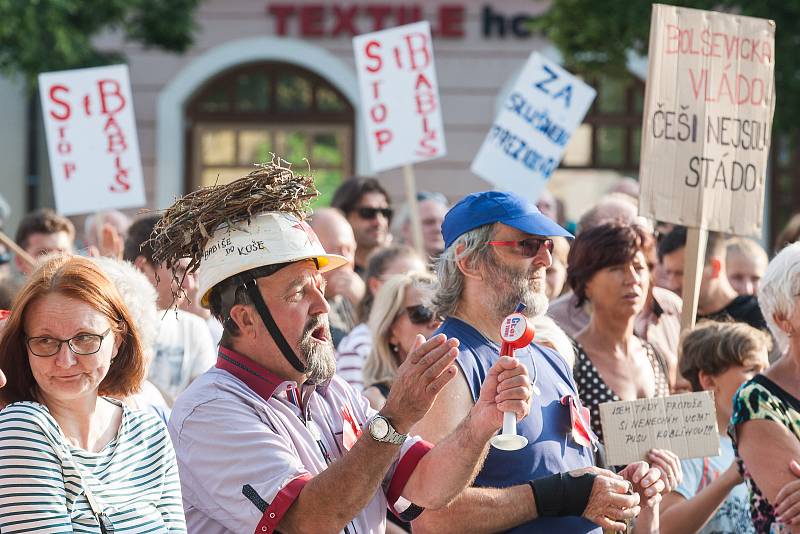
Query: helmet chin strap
point(249, 284)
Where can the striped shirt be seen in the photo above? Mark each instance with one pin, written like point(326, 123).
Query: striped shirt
point(351, 355)
point(134, 478)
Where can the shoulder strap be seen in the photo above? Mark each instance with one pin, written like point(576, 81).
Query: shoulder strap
point(106, 527)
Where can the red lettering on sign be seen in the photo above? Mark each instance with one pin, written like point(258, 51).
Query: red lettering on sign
point(378, 113)
point(345, 22)
point(372, 50)
point(69, 169)
point(121, 178)
point(451, 21)
point(383, 137)
point(114, 91)
point(115, 137)
point(65, 114)
point(281, 12)
point(379, 13)
point(418, 52)
point(375, 92)
point(312, 17)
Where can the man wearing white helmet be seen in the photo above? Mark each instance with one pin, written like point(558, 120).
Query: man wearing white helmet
point(269, 440)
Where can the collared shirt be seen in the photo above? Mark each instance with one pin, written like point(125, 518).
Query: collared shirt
point(247, 442)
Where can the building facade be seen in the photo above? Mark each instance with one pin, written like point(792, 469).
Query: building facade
point(279, 77)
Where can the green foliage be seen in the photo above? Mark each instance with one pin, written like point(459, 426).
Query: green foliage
point(594, 37)
point(46, 35)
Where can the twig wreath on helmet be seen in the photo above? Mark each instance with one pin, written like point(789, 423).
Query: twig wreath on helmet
point(235, 233)
point(186, 227)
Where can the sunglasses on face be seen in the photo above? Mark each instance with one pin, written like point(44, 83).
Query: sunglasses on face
point(527, 247)
point(420, 314)
point(371, 213)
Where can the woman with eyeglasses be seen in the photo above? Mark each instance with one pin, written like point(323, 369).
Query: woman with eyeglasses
point(398, 315)
point(72, 458)
point(607, 268)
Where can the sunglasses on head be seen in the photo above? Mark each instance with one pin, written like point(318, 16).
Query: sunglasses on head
point(371, 213)
point(527, 247)
point(419, 314)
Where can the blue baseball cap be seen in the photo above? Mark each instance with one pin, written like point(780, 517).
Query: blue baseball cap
point(489, 207)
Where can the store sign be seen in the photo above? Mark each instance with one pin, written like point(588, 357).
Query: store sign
point(400, 102)
point(91, 139)
point(707, 126)
point(335, 20)
point(529, 135)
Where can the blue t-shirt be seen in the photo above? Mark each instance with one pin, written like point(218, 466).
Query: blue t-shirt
point(550, 448)
point(734, 515)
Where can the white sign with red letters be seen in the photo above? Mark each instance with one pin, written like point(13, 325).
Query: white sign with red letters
point(400, 102)
point(91, 139)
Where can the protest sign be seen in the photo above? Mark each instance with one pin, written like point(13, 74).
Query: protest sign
point(400, 103)
point(707, 123)
point(684, 424)
point(91, 139)
point(529, 135)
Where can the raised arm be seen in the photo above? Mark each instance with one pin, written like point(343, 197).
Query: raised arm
point(328, 501)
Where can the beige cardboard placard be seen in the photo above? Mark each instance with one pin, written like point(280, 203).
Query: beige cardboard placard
point(707, 121)
point(684, 424)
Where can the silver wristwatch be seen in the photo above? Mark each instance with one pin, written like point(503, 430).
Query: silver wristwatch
point(382, 430)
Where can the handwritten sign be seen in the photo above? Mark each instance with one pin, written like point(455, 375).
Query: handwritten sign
point(684, 424)
point(707, 125)
point(91, 139)
point(400, 102)
point(529, 135)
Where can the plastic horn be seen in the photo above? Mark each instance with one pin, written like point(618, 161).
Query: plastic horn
point(516, 333)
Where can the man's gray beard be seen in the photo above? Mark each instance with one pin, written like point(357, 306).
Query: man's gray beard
point(510, 287)
point(319, 357)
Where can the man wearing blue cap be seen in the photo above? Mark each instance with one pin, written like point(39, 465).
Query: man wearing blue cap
point(497, 250)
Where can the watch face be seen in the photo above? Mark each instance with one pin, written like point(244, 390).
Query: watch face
point(379, 428)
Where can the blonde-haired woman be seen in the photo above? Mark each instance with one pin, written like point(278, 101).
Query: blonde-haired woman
point(398, 314)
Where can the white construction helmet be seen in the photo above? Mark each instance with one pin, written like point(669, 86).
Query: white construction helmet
point(267, 239)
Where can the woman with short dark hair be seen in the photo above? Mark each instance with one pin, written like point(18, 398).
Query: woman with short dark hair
point(87, 461)
point(607, 268)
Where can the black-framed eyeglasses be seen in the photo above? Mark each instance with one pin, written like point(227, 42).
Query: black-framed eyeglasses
point(420, 314)
point(527, 247)
point(371, 213)
point(82, 344)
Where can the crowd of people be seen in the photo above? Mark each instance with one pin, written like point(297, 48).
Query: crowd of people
point(289, 371)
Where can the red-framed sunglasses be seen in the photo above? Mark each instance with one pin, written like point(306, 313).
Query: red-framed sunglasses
point(527, 247)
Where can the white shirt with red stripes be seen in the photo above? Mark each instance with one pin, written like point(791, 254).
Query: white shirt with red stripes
point(247, 442)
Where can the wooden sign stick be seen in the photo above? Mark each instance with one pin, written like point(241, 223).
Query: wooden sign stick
point(694, 262)
point(19, 251)
point(413, 209)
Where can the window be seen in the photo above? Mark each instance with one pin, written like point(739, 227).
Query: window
point(610, 136)
point(243, 115)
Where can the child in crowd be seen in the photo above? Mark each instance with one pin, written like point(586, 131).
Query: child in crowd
point(716, 357)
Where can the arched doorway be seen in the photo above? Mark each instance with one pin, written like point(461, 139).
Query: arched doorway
point(241, 115)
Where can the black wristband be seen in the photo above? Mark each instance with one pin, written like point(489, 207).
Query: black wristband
point(562, 494)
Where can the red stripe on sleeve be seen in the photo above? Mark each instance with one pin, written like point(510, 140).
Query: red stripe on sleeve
point(405, 468)
point(280, 504)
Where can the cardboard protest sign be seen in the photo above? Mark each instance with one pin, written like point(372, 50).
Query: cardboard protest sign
point(529, 135)
point(707, 122)
point(91, 139)
point(684, 424)
point(400, 102)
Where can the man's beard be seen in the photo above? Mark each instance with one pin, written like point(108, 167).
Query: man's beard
point(511, 286)
point(319, 357)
